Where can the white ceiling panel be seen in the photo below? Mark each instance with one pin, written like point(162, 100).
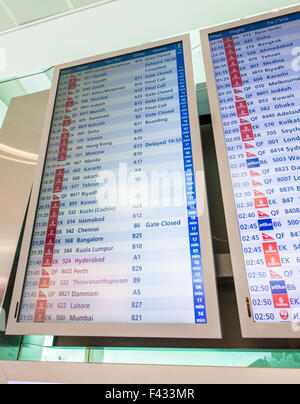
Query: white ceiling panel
point(111, 27)
point(5, 21)
point(30, 10)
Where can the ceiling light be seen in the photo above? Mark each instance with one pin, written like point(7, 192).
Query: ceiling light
point(18, 153)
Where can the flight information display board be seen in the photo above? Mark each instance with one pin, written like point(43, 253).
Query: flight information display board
point(116, 247)
point(254, 86)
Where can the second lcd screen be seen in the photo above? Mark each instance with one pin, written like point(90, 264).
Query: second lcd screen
point(257, 76)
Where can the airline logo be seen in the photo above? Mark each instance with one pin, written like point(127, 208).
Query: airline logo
point(247, 132)
point(250, 155)
point(53, 223)
point(270, 248)
point(242, 108)
point(40, 316)
point(249, 146)
point(51, 231)
point(262, 214)
point(265, 225)
point(64, 141)
point(247, 137)
point(41, 305)
point(234, 70)
point(236, 76)
point(70, 103)
point(59, 179)
point(273, 261)
point(256, 183)
point(266, 237)
point(278, 288)
point(274, 275)
point(261, 203)
point(48, 251)
point(253, 163)
point(232, 57)
point(67, 121)
point(241, 104)
point(258, 193)
point(57, 187)
point(284, 315)
point(238, 82)
point(50, 241)
point(44, 283)
point(62, 157)
point(54, 214)
point(47, 261)
point(254, 173)
point(55, 205)
point(72, 83)
point(63, 149)
point(281, 302)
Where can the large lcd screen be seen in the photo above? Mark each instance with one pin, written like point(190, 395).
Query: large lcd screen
point(257, 75)
point(116, 237)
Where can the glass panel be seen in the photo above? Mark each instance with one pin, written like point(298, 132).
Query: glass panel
point(181, 357)
point(33, 84)
point(96, 355)
point(32, 348)
point(289, 360)
point(202, 99)
point(50, 73)
point(10, 89)
point(3, 110)
point(40, 348)
point(77, 355)
point(186, 357)
point(198, 63)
